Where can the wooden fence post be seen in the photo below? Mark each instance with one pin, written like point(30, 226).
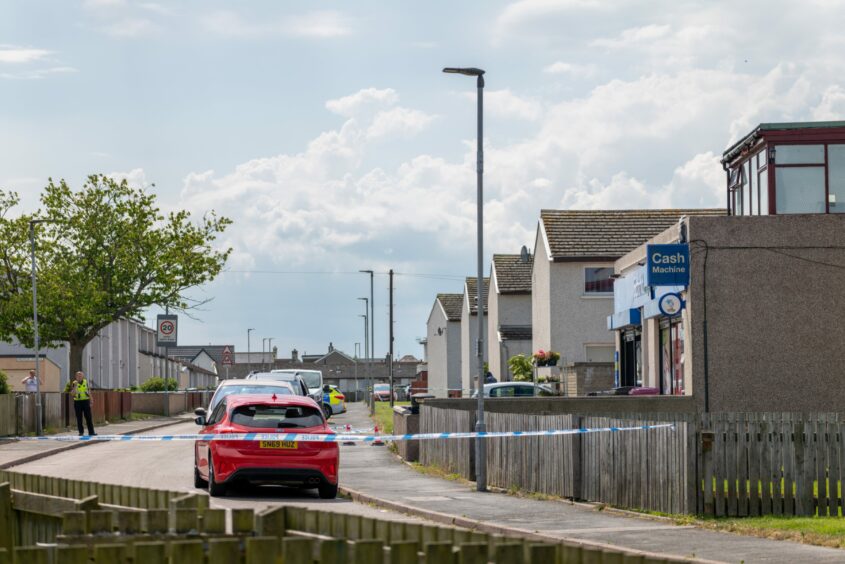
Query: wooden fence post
point(186, 551)
point(260, 550)
point(402, 552)
point(150, 552)
point(439, 553)
point(367, 551)
point(223, 551)
point(474, 553)
point(7, 518)
point(577, 460)
point(74, 554)
point(297, 550)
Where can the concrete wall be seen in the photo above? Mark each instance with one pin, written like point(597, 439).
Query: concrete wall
point(577, 319)
point(582, 378)
point(775, 322)
point(541, 313)
point(506, 309)
point(469, 336)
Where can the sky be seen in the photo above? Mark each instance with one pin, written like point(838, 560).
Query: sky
point(328, 134)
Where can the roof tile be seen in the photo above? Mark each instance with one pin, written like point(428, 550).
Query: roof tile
point(513, 276)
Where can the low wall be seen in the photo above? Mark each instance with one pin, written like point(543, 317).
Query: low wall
point(180, 402)
point(609, 405)
point(581, 378)
point(406, 423)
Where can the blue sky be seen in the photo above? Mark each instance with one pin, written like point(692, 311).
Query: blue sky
point(326, 131)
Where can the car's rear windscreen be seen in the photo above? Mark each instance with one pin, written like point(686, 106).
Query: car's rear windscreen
point(276, 416)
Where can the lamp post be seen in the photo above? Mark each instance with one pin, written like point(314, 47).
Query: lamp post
point(480, 446)
point(367, 367)
point(368, 377)
point(263, 343)
point(248, 351)
point(38, 410)
point(357, 354)
point(372, 351)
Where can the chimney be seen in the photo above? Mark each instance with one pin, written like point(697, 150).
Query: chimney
point(331, 347)
point(294, 355)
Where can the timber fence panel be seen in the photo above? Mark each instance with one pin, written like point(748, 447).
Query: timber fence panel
point(8, 415)
point(453, 455)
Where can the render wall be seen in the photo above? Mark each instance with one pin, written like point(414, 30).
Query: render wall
point(775, 317)
point(576, 319)
point(541, 312)
point(469, 336)
point(438, 351)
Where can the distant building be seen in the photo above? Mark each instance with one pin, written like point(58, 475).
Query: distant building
point(443, 344)
point(469, 332)
point(509, 311)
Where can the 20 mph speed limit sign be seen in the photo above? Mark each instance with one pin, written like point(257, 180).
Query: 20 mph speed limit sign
point(166, 326)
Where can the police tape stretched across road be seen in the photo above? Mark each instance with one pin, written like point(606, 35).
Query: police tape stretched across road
point(337, 438)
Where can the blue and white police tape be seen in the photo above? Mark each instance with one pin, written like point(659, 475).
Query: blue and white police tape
point(337, 438)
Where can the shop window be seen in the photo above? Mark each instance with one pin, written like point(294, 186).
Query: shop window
point(672, 358)
point(598, 280)
point(800, 189)
point(836, 178)
point(747, 193)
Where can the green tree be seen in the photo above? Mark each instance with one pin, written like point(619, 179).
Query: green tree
point(104, 252)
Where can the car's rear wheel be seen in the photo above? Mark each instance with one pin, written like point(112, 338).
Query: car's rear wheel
point(327, 491)
point(327, 411)
point(214, 489)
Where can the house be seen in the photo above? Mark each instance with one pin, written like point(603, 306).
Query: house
point(17, 368)
point(786, 168)
point(509, 311)
point(573, 276)
point(469, 333)
point(443, 344)
point(208, 357)
point(757, 326)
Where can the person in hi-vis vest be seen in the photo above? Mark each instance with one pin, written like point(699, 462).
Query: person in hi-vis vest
point(78, 388)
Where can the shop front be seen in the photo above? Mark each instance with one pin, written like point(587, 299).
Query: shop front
point(649, 322)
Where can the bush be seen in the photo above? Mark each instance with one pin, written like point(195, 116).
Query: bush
point(522, 368)
point(156, 384)
point(4, 383)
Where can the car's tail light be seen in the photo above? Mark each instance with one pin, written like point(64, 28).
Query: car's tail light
point(341, 397)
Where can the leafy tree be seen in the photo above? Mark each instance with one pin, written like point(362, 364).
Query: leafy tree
point(4, 383)
point(104, 252)
point(157, 384)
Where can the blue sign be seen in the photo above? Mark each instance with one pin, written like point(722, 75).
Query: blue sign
point(671, 304)
point(667, 265)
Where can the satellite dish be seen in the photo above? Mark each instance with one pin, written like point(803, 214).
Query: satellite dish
point(524, 255)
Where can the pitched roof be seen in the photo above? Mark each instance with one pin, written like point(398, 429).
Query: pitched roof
point(451, 304)
point(575, 235)
point(515, 332)
point(472, 294)
point(191, 352)
point(513, 276)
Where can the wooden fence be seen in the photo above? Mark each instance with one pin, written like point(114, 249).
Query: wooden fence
point(102, 527)
point(455, 456)
point(725, 464)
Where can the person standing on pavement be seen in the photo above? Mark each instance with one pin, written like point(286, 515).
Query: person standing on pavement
point(31, 382)
point(82, 401)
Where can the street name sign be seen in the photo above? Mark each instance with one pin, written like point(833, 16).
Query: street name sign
point(166, 330)
point(667, 265)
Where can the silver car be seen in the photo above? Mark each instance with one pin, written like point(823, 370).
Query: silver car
point(514, 390)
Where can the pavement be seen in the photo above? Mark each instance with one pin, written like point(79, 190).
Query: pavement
point(375, 475)
point(14, 453)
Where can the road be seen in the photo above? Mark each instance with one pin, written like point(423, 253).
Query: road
point(169, 465)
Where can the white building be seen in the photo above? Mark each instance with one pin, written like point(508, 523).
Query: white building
point(509, 311)
point(469, 332)
point(443, 344)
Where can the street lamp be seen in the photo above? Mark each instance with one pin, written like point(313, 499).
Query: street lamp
point(366, 334)
point(480, 446)
point(263, 342)
point(248, 351)
point(372, 351)
point(369, 378)
point(37, 343)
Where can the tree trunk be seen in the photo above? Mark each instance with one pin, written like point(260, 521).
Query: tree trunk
point(76, 351)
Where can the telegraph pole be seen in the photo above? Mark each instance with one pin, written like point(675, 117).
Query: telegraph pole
point(390, 354)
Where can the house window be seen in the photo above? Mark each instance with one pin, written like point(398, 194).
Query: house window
point(800, 189)
point(598, 280)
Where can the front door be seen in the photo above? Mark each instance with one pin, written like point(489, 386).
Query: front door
point(631, 369)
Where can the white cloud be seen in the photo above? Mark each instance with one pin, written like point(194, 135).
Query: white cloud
point(832, 105)
point(402, 121)
point(135, 177)
point(18, 55)
point(504, 103)
point(366, 98)
point(130, 28)
point(322, 24)
point(634, 36)
point(572, 69)
point(36, 74)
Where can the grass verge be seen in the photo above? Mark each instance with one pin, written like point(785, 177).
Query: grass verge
point(384, 415)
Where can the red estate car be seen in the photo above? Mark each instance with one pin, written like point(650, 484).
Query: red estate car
point(219, 463)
